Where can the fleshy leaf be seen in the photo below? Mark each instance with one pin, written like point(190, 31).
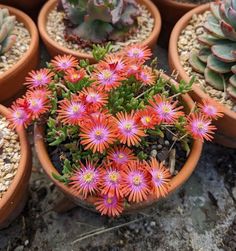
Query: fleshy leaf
point(232, 80)
point(196, 63)
point(212, 26)
point(203, 54)
point(215, 10)
point(232, 91)
point(224, 52)
point(218, 66)
point(214, 79)
point(233, 69)
point(228, 31)
point(210, 40)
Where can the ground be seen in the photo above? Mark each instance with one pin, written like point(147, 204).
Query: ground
point(200, 216)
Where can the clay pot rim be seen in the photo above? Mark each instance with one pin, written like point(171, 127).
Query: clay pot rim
point(49, 5)
point(31, 27)
point(22, 164)
point(174, 55)
point(185, 172)
point(176, 4)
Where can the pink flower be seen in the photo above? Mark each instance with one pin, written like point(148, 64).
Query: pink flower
point(120, 155)
point(72, 111)
point(63, 63)
point(165, 110)
point(128, 131)
point(199, 127)
point(85, 180)
point(135, 185)
point(137, 52)
point(211, 109)
point(40, 78)
point(110, 206)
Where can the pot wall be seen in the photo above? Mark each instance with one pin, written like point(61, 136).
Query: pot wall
point(15, 198)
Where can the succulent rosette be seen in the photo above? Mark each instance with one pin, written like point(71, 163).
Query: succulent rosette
point(217, 56)
point(106, 117)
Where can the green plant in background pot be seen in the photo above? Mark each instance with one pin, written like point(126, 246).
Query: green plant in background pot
point(217, 57)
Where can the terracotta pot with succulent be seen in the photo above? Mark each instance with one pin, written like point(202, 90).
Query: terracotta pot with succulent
point(29, 7)
point(204, 45)
point(18, 50)
point(15, 169)
point(115, 135)
point(74, 26)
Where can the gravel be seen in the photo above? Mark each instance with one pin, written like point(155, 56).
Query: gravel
point(9, 155)
point(10, 58)
point(55, 28)
point(188, 42)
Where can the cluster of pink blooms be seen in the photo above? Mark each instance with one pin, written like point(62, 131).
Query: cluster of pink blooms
point(122, 176)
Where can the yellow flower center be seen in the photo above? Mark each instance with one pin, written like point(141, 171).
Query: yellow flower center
point(38, 77)
point(75, 108)
point(137, 180)
point(109, 200)
point(200, 125)
point(128, 126)
point(166, 109)
point(98, 133)
point(121, 156)
point(88, 177)
point(113, 176)
point(148, 119)
point(107, 74)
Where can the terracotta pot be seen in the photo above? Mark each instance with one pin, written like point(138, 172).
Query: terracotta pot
point(226, 133)
point(11, 81)
point(171, 11)
point(14, 199)
point(55, 49)
point(176, 182)
point(31, 7)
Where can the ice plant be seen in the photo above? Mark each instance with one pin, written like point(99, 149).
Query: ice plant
point(210, 109)
point(120, 155)
point(110, 206)
point(64, 63)
point(97, 135)
point(160, 178)
point(39, 78)
point(105, 120)
point(200, 127)
point(128, 131)
point(72, 111)
point(136, 182)
point(85, 180)
point(166, 110)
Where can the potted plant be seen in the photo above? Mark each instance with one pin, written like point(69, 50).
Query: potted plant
point(15, 169)
point(19, 43)
point(73, 26)
point(208, 33)
point(115, 136)
point(29, 7)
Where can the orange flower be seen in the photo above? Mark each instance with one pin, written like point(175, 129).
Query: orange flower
point(74, 76)
point(137, 52)
point(128, 131)
point(147, 118)
point(146, 76)
point(136, 181)
point(63, 63)
point(211, 109)
point(120, 155)
point(160, 178)
point(97, 135)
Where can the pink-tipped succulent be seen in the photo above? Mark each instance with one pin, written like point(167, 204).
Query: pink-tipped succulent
point(217, 57)
point(7, 24)
point(98, 21)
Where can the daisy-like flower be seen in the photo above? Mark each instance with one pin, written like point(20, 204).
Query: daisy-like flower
point(120, 155)
point(72, 111)
point(111, 179)
point(19, 117)
point(160, 178)
point(146, 76)
point(110, 206)
point(40, 78)
point(135, 185)
point(106, 78)
point(38, 102)
point(133, 68)
point(63, 63)
point(147, 118)
point(128, 131)
point(199, 127)
point(210, 109)
point(165, 110)
point(116, 62)
point(93, 97)
point(73, 76)
point(137, 52)
point(85, 180)
point(97, 135)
